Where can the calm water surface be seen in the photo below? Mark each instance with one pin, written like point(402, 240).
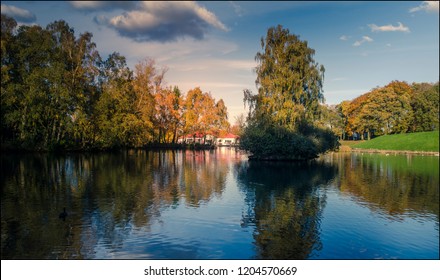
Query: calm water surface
point(217, 205)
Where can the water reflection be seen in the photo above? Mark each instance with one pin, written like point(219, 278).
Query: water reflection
point(106, 195)
point(382, 207)
point(397, 185)
point(216, 204)
point(285, 202)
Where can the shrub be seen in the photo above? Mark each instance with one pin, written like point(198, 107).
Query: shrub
point(271, 142)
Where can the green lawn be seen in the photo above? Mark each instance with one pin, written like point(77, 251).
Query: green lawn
point(419, 141)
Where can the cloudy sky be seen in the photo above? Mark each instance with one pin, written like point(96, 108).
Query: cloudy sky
point(213, 44)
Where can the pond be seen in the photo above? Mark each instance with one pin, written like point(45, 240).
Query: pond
point(217, 205)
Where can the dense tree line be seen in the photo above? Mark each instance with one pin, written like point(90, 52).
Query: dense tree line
point(58, 93)
point(395, 108)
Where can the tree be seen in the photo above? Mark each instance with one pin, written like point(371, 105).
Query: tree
point(57, 93)
point(201, 113)
point(425, 105)
point(239, 125)
point(8, 27)
point(343, 111)
point(177, 112)
point(191, 111)
point(383, 110)
point(147, 82)
point(330, 117)
point(289, 80)
point(38, 98)
point(48, 78)
point(289, 83)
point(168, 113)
point(118, 124)
point(220, 121)
point(78, 63)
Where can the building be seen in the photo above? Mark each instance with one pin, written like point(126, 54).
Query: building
point(197, 137)
point(228, 140)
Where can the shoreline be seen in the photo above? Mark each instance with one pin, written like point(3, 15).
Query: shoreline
point(148, 147)
point(387, 152)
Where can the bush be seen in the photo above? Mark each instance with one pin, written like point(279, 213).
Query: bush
point(271, 142)
point(324, 139)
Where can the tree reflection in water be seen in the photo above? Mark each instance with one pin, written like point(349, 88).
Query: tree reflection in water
point(285, 202)
point(165, 204)
point(396, 185)
point(107, 197)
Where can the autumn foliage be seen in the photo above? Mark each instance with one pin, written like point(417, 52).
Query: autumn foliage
point(58, 93)
point(395, 108)
point(280, 123)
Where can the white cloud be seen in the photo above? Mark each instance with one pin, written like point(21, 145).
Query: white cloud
point(224, 78)
point(18, 14)
point(427, 6)
point(237, 8)
point(164, 21)
point(365, 39)
point(102, 5)
point(389, 28)
point(344, 37)
point(225, 65)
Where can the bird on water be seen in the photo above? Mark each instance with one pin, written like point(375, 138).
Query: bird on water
point(63, 214)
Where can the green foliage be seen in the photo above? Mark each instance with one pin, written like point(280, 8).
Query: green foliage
point(425, 105)
point(322, 138)
point(118, 125)
point(289, 80)
point(395, 108)
point(271, 142)
point(420, 141)
point(57, 93)
point(330, 117)
point(385, 112)
point(289, 91)
point(275, 143)
point(49, 80)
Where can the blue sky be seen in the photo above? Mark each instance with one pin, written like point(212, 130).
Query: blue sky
point(212, 45)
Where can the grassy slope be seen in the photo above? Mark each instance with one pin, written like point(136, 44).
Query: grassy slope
point(420, 141)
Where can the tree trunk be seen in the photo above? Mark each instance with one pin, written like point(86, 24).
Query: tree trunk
point(174, 134)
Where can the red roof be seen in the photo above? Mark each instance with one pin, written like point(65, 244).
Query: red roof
point(230, 135)
point(201, 135)
point(197, 135)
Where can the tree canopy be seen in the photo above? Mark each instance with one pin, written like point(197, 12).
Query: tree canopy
point(289, 83)
point(57, 92)
point(397, 107)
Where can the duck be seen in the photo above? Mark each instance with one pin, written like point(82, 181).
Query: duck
point(63, 214)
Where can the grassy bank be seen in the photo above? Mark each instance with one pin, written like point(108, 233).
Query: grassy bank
point(420, 141)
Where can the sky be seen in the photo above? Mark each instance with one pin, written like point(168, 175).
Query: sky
point(212, 44)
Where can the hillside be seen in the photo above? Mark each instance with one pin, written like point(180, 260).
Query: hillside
point(419, 141)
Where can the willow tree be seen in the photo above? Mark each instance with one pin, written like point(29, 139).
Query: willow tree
point(289, 84)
